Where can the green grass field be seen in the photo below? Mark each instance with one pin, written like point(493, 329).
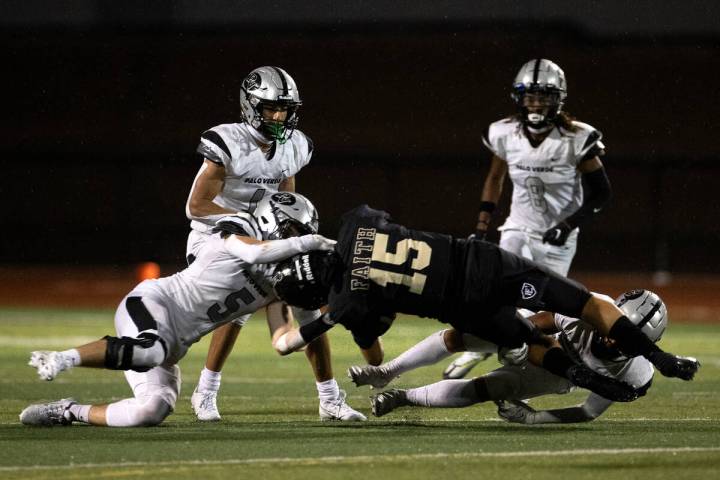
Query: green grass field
point(270, 426)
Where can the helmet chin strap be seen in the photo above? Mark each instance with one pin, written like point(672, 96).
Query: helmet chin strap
point(538, 130)
point(260, 136)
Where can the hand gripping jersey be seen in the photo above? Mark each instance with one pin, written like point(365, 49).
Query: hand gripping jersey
point(577, 339)
point(249, 172)
point(217, 288)
point(547, 186)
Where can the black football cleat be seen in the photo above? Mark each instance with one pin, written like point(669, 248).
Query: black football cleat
point(606, 387)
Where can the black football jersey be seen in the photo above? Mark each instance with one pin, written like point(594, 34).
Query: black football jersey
point(388, 269)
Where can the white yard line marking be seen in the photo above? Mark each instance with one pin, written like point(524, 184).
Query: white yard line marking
point(47, 342)
point(367, 458)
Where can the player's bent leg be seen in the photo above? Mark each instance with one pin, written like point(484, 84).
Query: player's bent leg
point(155, 394)
point(137, 412)
point(478, 350)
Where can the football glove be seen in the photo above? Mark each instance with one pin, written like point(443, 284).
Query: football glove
point(558, 234)
point(515, 411)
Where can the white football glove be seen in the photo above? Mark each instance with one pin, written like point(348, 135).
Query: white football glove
point(316, 242)
point(516, 411)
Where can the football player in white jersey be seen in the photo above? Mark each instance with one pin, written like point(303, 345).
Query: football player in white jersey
point(243, 162)
point(548, 156)
point(160, 319)
point(516, 380)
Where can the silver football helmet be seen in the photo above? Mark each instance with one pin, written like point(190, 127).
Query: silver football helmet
point(285, 214)
point(546, 81)
point(270, 86)
point(646, 310)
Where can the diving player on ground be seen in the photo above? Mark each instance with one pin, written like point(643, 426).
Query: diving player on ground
point(380, 268)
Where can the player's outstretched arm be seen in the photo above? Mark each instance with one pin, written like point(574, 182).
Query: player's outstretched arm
point(515, 411)
point(286, 341)
point(254, 251)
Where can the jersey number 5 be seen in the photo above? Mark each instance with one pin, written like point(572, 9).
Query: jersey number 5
point(416, 281)
point(215, 312)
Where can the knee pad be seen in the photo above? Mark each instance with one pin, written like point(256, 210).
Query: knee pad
point(139, 354)
point(152, 411)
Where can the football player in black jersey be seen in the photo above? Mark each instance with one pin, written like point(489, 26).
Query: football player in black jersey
point(380, 268)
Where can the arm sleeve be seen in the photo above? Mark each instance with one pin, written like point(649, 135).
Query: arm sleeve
point(270, 251)
point(597, 194)
point(594, 406)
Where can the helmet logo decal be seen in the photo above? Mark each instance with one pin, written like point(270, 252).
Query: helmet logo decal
point(528, 291)
point(284, 198)
point(307, 270)
point(252, 81)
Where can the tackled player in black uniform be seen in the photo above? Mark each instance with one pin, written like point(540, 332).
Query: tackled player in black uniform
point(380, 268)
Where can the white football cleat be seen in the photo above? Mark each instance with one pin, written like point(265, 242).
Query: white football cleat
point(339, 410)
point(385, 402)
point(376, 377)
point(462, 365)
point(49, 364)
point(48, 414)
point(204, 404)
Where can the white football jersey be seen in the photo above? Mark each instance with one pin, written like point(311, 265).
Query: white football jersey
point(249, 172)
point(576, 338)
point(215, 289)
point(547, 186)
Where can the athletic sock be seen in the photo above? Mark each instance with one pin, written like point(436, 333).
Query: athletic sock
point(630, 339)
point(557, 361)
point(328, 390)
point(72, 356)
point(445, 394)
point(209, 380)
point(79, 413)
point(427, 352)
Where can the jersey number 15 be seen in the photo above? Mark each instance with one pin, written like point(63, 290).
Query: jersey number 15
point(416, 281)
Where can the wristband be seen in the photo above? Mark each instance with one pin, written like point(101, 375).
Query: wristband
point(487, 206)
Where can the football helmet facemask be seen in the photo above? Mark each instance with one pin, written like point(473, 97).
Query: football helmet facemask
point(285, 214)
point(539, 91)
point(304, 280)
point(274, 88)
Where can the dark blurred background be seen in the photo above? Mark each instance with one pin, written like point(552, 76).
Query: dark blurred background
point(104, 103)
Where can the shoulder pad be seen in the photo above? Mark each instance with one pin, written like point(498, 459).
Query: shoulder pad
point(242, 223)
point(590, 139)
point(214, 145)
point(494, 136)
